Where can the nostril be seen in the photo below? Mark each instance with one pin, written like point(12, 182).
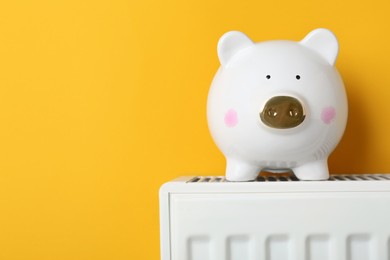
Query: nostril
point(272, 112)
point(293, 112)
point(282, 112)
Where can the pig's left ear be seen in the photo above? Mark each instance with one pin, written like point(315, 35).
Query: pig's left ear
point(230, 44)
point(324, 42)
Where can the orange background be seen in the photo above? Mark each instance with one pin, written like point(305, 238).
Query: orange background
point(101, 102)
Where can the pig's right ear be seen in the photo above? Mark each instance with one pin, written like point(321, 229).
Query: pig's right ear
point(230, 44)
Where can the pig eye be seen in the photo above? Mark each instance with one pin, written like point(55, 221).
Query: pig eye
point(268, 76)
point(298, 77)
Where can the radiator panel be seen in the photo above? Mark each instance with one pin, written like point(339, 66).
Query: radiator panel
point(249, 221)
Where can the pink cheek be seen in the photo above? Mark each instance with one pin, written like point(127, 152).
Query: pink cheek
point(328, 114)
point(231, 119)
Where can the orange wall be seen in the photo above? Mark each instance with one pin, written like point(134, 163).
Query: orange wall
point(103, 101)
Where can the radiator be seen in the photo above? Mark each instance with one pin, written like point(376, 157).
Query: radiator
point(276, 218)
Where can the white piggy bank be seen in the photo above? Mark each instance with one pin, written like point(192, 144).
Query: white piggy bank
point(277, 105)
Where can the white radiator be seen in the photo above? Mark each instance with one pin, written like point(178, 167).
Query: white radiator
point(276, 218)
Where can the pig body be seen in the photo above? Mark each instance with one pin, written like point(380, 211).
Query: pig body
point(277, 105)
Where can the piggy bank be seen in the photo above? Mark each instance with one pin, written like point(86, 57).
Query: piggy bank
point(277, 106)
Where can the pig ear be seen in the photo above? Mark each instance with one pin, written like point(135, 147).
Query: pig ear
point(230, 44)
point(324, 42)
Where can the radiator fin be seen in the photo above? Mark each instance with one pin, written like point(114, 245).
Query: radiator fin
point(238, 248)
point(358, 247)
point(199, 248)
point(317, 247)
point(277, 247)
point(287, 178)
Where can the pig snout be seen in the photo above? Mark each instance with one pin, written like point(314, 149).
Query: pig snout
point(282, 112)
